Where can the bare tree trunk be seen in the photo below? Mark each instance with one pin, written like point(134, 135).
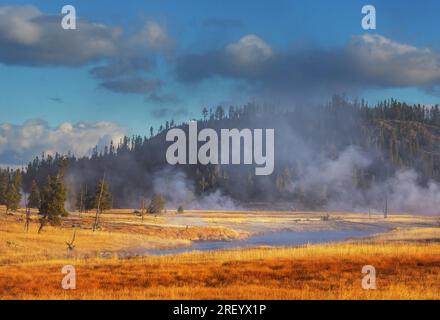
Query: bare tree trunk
point(95, 226)
point(385, 214)
point(27, 214)
point(81, 199)
point(143, 209)
point(42, 224)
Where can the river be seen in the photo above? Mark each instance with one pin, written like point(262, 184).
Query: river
point(274, 239)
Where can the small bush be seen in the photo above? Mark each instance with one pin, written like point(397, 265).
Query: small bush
point(157, 204)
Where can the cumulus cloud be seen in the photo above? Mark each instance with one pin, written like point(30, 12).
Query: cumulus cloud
point(249, 50)
point(29, 37)
point(367, 61)
point(388, 63)
point(20, 143)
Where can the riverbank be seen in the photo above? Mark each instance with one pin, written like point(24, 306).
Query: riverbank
point(108, 265)
point(404, 271)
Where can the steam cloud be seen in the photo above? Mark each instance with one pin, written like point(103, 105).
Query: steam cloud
point(179, 190)
point(403, 192)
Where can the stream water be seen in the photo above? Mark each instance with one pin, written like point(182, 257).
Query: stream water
point(274, 239)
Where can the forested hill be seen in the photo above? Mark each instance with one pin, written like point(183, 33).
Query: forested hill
point(343, 153)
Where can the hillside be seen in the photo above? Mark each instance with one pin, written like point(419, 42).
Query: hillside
point(343, 155)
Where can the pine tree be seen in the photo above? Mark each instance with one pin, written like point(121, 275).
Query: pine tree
point(89, 199)
point(4, 182)
point(205, 113)
point(219, 113)
point(17, 180)
point(13, 198)
point(34, 196)
point(53, 198)
point(13, 195)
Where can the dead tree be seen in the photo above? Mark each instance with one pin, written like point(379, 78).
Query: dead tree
point(43, 221)
point(27, 219)
point(81, 201)
point(98, 209)
point(143, 208)
point(385, 212)
point(70, 245)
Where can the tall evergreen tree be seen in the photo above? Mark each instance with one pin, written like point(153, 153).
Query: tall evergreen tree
point(53, 198)
point(17, 180)
point(13, 198)
point(4, 182)
point(34, 196)
point(13, 194)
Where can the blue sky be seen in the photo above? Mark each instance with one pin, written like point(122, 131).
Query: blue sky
point(200, 53)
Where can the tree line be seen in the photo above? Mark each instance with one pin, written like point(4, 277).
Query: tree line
point(400, 135)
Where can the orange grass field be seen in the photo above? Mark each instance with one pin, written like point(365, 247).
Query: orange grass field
point(407, 264)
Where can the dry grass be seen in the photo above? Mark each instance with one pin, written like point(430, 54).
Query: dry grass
point(120, 233)
point(428, 235)
point(17, 246)
point(407, 261)
point(311, 272)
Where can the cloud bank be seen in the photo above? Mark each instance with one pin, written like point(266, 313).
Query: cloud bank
point(20, 143)
point(366, 61)
point(31, 38)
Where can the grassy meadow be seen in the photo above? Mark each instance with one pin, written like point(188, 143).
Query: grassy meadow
point(113, 262)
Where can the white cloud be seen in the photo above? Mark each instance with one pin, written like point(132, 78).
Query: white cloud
point(250, 49)
point(17, 24)
point(20, 143)
point(30, 37)
point(305, 72)
point(394, 64)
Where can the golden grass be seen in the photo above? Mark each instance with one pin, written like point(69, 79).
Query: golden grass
point(17, 246)
point(407, 261)
point(120, 233)
point(411, 235)
point(310, 272)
